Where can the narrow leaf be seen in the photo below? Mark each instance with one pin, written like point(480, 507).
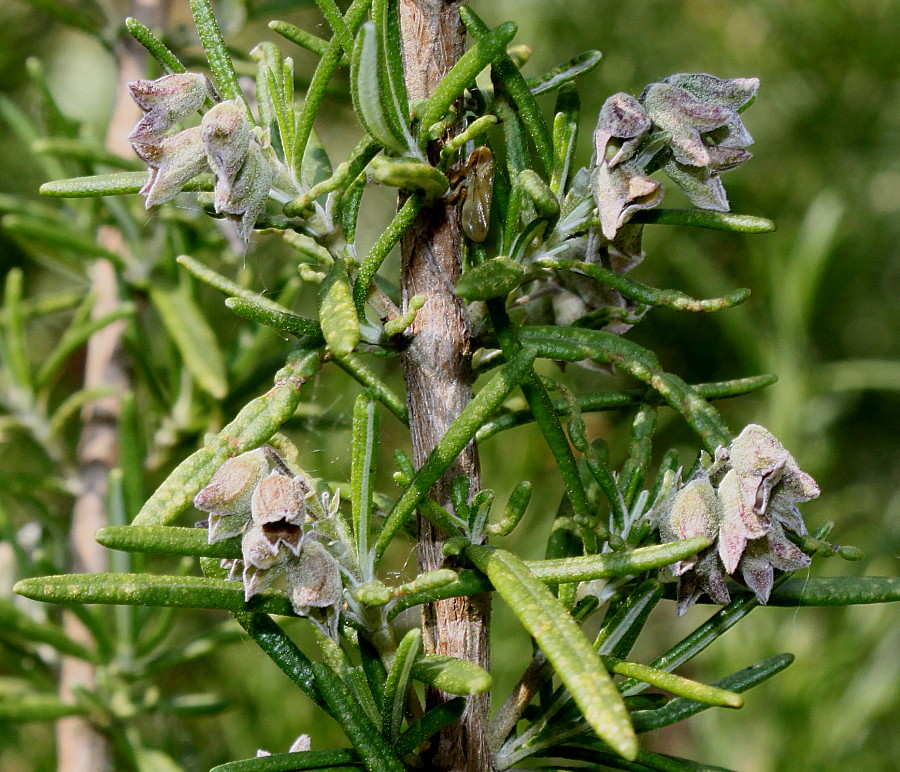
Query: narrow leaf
point(450, 674)
point(217, 54)
point(374, 750)
point(300, 37)
point(365, 85)
point(255, 424)
point(167, 540)
point(16, 623)
point(564, 73)
point(397, 683)
point(289, 762)
point(643, 293)
point(155, 47)
point(149, 590)
point(283, 321)
point(489, 47)
point(561, 639)
point(682, 708)
point(836, 591)
point(119, 184)
point(457, 436)
point(492, 279)
point(611, 564)
point(194, 338)
point(704, 218)
point(364, 446)
point(337, 314)
point(683, 687)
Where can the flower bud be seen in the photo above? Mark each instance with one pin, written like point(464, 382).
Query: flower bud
point(166, 101)
point(226, 136)
point(313, 579)
point(172, 162)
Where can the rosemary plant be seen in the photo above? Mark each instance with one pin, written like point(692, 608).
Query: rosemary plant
point(512, 259)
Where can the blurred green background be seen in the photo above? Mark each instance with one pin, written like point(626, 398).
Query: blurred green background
point(823, 317)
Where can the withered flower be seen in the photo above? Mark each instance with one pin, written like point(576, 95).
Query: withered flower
point(227, 495)
point(167, 101)
point(313, 578)
point(226, 135)
point(172, 161)
point(748, 513)
point(278, 508)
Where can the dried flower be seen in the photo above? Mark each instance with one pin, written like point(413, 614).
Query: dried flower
point(227, 495)
point(707, 135)
point(245, 199)
point(313, 578)
point(172, 161)
point(279, 510)
point(226, 135)
point(167, 101)
point(748, 513)
point(621, 127)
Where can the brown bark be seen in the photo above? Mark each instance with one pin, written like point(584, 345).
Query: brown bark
point(81, 747)
point(438, 377)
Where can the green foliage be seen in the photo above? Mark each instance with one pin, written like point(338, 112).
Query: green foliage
point(546, 283)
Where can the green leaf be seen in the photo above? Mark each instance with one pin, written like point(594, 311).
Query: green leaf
point(282, 650)
point(363, 452)
point(333, 16)
point(518, 91)
point(374, 750)
point(682, 687)
point(38, 708)
point(562, 641)
point(457, 436)
point(255, 424)
point(393, 84)
point(155, 47)
point(836, 591)
point(451, 674)
point(430, 724)
point(565, 136)
point(573, 344)
point(289, 762)
point(515, 509)
point(492, 279)
point(704, 218)
point(359, 371)
point(409, 174)
point(564, 73)
point(217, 54)
point(16, 623)
point(301, 37)
point(119, 184)
point(150, 590)
point(614, 400)
point(383, 246)
point(166, 540)
point(374, 108)
point(194, 338)
point(643, 293)
point(397, 684)
point(613, 564)
point(488, 48)
point(682, 708)
point(13, 345)
point(283, 321)
point(337, 314)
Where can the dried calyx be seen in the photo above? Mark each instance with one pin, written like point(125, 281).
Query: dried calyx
point(275, 512)
point(747, 509)
point(224, 144)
